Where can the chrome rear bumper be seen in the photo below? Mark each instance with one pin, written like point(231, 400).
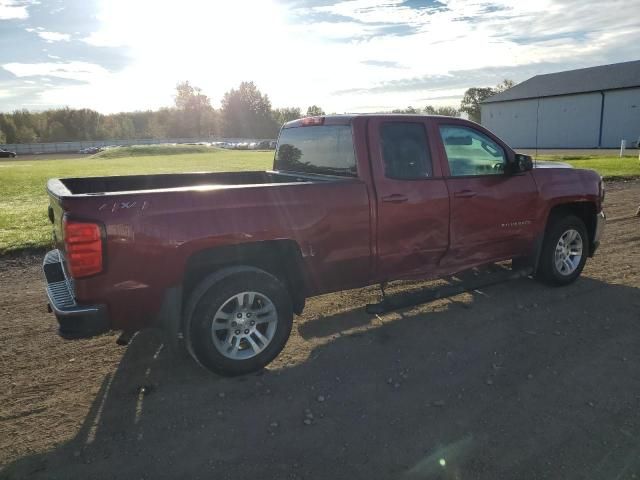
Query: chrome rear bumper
point(75, 321)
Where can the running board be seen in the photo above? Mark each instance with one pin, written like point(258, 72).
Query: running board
point(497, 275)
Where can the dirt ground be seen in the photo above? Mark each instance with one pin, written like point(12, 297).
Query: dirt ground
point(515, 381)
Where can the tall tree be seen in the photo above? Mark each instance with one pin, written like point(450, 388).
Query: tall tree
point(408, 110)
point(506, 84)
point(246, 112)
point(472, 99)
point(57, 132)
point(8, 126)
point(445, 110)
point(26, 135)
point(284, 115)
point(314, 111)
point(196, 109)
point(474, 96)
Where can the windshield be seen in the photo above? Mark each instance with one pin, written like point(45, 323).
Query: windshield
point(324, 149)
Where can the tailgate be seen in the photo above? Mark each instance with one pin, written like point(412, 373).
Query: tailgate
point(56, 212)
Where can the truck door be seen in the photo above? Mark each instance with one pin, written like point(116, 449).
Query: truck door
point(412, 201)
point(492, 212)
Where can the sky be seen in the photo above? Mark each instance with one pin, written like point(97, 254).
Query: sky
point(344, 55)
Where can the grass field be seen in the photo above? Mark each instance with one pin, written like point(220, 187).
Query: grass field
point(153, 150)
point(23, 201)
point(609, 167)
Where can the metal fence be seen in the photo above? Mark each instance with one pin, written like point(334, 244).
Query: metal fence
point(73, 147)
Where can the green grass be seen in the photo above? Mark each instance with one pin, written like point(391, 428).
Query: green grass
point(152, 150)
point(610, 168)
point(23, 199)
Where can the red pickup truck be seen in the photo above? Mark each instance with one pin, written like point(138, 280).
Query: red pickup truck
point(222, 261)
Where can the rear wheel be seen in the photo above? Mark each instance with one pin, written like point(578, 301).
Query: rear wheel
point(238, 320)
point(564, 251)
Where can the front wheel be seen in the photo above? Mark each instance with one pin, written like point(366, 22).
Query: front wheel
point(238, 320)
point(564, 251)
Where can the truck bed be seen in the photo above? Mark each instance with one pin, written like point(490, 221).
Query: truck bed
point(135, 183)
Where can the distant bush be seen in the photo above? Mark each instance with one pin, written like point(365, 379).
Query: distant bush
point(151, 150)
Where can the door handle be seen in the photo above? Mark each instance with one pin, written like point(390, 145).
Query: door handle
point(395, 198)
point(464, 194)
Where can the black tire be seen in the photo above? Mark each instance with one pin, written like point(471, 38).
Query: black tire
point(211, 294)
point(547, 270)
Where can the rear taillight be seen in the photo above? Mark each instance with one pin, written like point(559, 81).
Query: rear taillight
point(83, 248)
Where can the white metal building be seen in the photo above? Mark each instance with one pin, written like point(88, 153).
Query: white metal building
point(593, 107)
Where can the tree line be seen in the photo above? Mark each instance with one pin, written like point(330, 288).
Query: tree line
point(470, 103)
point(245, 112)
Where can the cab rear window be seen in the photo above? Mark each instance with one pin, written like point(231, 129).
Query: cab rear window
point(322, 149)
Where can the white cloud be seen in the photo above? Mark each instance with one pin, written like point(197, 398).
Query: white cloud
point(81, 71)
point(13, 9)
point(104, 39)
point(376, 11)
point(468, 36)
point(51, 37)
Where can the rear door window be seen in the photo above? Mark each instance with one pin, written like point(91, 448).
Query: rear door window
point(323, 149)
point(405, 151)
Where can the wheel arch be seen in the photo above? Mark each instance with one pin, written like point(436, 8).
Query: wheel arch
point(281, 258)
point(584, 210)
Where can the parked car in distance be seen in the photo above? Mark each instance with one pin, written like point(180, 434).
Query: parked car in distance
point(264, 145)
point(90, 150)
point(222, 261)
point(7, 154)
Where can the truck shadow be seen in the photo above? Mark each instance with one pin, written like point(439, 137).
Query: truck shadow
point(328, 324)
point(521, 382)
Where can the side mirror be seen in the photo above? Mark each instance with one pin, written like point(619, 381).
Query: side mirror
point(521, 163)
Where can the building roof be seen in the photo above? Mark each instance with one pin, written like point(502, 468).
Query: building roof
point(583, 80)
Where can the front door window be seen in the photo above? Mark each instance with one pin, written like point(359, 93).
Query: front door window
point(471, 153)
